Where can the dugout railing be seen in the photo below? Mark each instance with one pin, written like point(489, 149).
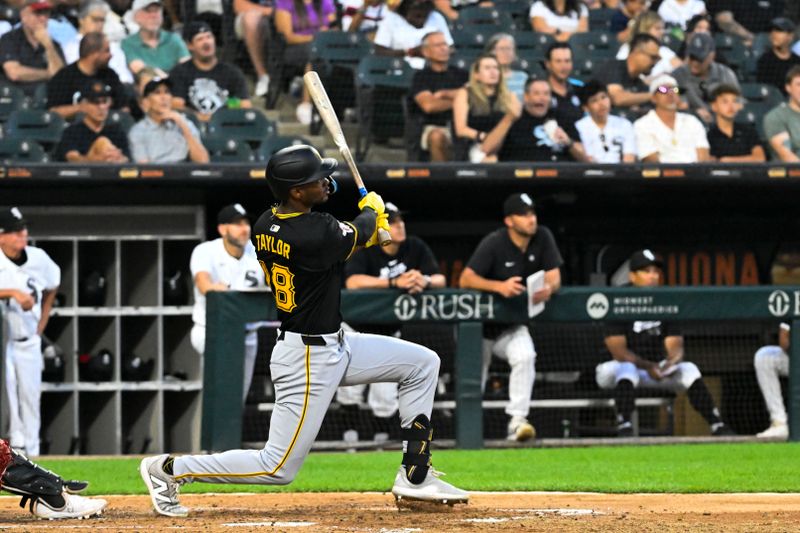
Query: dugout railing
point(227, 314)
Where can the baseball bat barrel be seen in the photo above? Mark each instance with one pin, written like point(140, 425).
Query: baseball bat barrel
point(328, 115)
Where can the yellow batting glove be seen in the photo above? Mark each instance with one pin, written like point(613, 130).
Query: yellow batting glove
point(373, 201)
point(382, 222)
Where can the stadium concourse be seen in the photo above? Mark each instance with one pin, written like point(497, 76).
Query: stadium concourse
point(499, 512)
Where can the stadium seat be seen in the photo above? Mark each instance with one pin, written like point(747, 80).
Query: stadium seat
point(594, 41)
point(270, 145)
point(226, 150)
point(470, 41)
point(532, 45)
point(517, 10)
point(671, 42)
point(381, 84)
point(11, 99)
point(464, 60)
point(249, 125)
point(280, 72)
point(584, 64)
point(488, 19)
point(760, 44)
point(600, 19)
point(122, 118)
point(21, 151)
point(753, 113)
point(38, 125)
point(733, 50)
point(760, 92)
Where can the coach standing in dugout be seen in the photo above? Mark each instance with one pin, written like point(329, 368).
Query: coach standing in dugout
point(501, 264)
point(407, 264)
point(29, 280)
point(225, 264)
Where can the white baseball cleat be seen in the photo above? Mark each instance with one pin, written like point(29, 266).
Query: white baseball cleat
point(520, 430)
point(162, 487)
point(777, 430)
point(432, 489)
point(74, 507)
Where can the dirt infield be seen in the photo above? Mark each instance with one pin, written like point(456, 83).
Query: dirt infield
point(377, 513)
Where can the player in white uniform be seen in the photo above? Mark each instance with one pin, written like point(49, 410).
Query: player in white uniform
point(771, 362)
point(28, 283)
point(606, 138)
point(227, 263)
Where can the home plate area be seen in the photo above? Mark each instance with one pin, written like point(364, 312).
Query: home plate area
point(487, 511)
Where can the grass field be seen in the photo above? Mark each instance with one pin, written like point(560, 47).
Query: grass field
point(693, 468)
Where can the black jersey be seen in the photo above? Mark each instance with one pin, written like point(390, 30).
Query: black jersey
point(645, 338)
point(497, 258)
point(303, 257)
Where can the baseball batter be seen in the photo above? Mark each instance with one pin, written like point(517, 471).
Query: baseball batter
point(303, 254)
point(649, 354)
point(28, 283)
point(407, 264)
point(501, 264)
point(227, 263)
point(772, 362)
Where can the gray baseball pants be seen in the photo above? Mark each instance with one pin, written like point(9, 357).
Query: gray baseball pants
point(306, 376)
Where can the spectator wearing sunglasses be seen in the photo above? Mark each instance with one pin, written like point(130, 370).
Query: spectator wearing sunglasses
point(666, 136)
point(606, 138)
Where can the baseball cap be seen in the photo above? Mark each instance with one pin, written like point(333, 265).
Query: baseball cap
point(394, 212)
point(193, 28)
point(518, 204)
point(642, 259)
point(662, 79)
point(153, 84)
point(11, 220)
point(232, 213)
point(95, 89)
point(700, 46)
point(141, 4)
point(781, 24)
point(39, 5)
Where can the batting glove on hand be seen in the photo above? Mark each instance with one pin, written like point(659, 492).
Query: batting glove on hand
point(382, 223)
point(373, 201)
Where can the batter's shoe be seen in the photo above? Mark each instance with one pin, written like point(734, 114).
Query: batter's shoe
point(722, 429)
point(520, 430)
point(74, 507)
point(778, 430)
point(432, 489)
point(74, 486)
point(162, 487)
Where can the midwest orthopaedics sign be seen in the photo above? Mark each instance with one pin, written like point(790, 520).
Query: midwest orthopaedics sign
point(470, 306)
point(598, 306)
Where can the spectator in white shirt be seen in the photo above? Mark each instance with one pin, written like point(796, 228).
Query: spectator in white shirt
point(559, 18)
point(666, 136)
point(606, 138)
point(400, 32)
point(678, 12)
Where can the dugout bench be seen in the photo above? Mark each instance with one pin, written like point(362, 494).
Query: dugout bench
point(228, 312)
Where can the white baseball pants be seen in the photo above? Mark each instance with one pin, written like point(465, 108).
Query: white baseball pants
point(198, 337)
point(610, 373)
point(771, 362)
point(23, 368)
point(306, 378)
point(514, 345)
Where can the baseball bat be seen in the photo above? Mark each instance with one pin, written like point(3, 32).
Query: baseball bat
point(323, 104)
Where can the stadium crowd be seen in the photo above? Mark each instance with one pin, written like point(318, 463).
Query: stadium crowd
point(674, 81)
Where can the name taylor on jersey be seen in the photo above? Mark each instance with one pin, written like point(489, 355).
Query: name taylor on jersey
point(272, 244)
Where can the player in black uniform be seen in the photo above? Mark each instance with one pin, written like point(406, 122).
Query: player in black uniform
point(649, 353)
point(407, 264)
point(303, 255)
point(502, 262)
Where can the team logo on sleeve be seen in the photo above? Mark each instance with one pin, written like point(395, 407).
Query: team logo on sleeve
point(274, 228)
point(346, 228)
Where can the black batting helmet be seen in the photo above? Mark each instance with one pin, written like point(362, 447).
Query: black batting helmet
point(297, 165)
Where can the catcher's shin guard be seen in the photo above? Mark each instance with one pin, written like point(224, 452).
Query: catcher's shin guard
point(32, 482)
point(417, 457)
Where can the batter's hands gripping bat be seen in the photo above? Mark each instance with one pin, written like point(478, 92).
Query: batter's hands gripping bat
point(317, 92)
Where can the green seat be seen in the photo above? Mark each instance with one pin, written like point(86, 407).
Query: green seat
point(672, 42)
point(532, 44)
point(593, 41)
point(600, 19)
point(11, 99)
point(733, 49)
point(226, 150)
point(761, 92)
point(381, 85)
point(248, 125)
point(585, 63)
point(21, 151)
point(470, 41)
point(270, 145)
point(753, 113)
point(121, 118)
point(44, 127)
point(486, 19)
point(464, 60)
